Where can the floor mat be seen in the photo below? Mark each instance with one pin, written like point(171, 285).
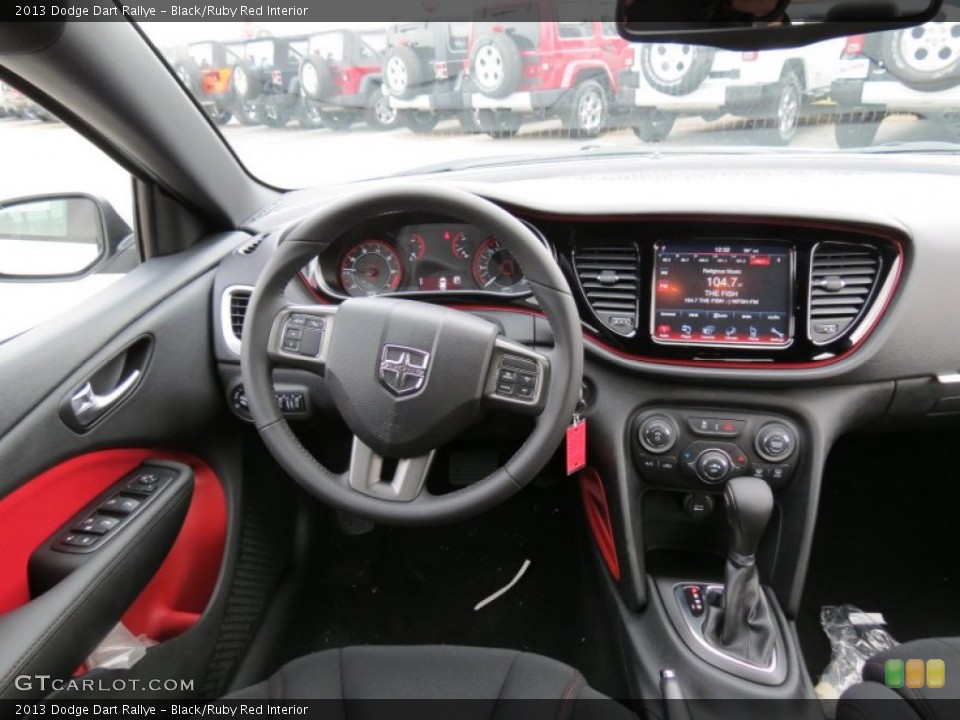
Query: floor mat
point(887, 539)
point(416, 586)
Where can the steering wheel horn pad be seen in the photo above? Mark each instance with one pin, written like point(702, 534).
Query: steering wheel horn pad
point(407, 376)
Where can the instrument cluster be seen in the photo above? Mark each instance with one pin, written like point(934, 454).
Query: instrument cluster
point(438, 258)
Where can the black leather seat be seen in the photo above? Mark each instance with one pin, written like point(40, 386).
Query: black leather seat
point(485, 677)
point(873, 700)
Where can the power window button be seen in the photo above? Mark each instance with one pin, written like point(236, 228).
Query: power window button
point(97, 524)
point(121, 505)
point(79, 540)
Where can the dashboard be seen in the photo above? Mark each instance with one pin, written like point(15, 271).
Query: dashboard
point(729, 291)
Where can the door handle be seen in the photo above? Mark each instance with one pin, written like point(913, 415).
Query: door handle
point(88, 406)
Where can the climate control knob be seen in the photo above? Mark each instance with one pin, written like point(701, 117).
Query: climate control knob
point(775, 442)
point(713, 466)
point(657, 434)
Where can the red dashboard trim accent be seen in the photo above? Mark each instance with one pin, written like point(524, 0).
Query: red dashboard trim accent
point(598, 518)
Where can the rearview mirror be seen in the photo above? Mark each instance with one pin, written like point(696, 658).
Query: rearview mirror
point(761, 24)
point(57, 236)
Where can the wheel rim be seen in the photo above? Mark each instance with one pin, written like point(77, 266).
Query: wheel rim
point(397, 78)
point(309, 79)
point(240, 82)
point(488, 67)
point(384, 112)
point(670, 62)
point(931, 48)
point(788, 112)
point(590, 110)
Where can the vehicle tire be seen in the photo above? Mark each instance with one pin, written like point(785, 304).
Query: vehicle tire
point(926, 57)
point(339, 119)
point(786, 108)
point(247, 113)
point(496, 65)
point(246, 82)
point(587, 111)
point(857, 129)
point(675, 69)
point(189, 73)
point(314, 77)
point(221, 115)
point(653, 125)
point(419, 121)
point(274, 116)
point(309, 116)
point(498, 124)
point(380, 114)
point(403, 72)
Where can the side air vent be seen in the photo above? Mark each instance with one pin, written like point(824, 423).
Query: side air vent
point(610, 279)
point(251, 247)
point(843, 281)
point(233, 311)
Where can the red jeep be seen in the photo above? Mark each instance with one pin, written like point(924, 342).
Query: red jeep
point(525, 61)
point(341, 80)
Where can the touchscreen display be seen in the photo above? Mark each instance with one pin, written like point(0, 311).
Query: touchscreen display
point(723, 294)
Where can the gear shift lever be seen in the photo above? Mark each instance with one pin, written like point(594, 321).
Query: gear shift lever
point(744, 626)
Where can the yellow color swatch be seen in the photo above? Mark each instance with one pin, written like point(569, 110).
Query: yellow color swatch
point(936, 674)
point(914, 673)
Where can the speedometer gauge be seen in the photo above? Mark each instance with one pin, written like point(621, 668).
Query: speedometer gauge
point(372, 267)
point(494, 268)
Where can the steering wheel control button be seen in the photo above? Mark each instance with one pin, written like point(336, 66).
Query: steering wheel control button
point(291, 345)
point(517, 378)
point(716, 427)
point(121, 505)
point(97, 524)
point(657, 434)
point(714, 466)
point(297, 320)
point(775, 442)
point(303, 335)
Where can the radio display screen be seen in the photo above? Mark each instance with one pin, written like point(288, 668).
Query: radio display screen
point(723, 294)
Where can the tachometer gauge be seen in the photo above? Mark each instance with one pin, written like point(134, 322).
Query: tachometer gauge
point(372, 267)
point(414, 247)
point(462, 245)
point(494, 268)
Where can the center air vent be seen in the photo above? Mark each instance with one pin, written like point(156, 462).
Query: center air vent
point(843, 281)
point(609, 277)
point(233, 311)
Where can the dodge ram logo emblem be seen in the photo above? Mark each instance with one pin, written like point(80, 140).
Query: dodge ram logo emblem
point(403, 370)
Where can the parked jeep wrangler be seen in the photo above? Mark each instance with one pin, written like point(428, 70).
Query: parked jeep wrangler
point(341, 80)
point(266, 78)
point(915, 70)
point(206, 71)
point(423, 72)
point(520, 66)
point(772, 88)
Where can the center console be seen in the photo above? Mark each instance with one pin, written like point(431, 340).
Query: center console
point(698, 449)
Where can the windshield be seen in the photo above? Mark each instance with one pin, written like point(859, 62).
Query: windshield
point(306, 104)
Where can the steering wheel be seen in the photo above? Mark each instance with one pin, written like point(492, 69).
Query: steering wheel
point(409, 376)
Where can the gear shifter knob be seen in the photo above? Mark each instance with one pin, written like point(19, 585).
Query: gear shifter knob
point(749, 504)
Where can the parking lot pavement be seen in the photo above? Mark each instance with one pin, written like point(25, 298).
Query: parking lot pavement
point(47, 157)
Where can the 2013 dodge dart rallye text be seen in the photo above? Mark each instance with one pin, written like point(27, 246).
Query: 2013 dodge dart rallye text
point(433, 360)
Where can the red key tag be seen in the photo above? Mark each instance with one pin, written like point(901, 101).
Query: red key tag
point(576, 445)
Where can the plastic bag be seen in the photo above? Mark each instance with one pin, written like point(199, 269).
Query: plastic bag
point(119, 650)
point(855, 637)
